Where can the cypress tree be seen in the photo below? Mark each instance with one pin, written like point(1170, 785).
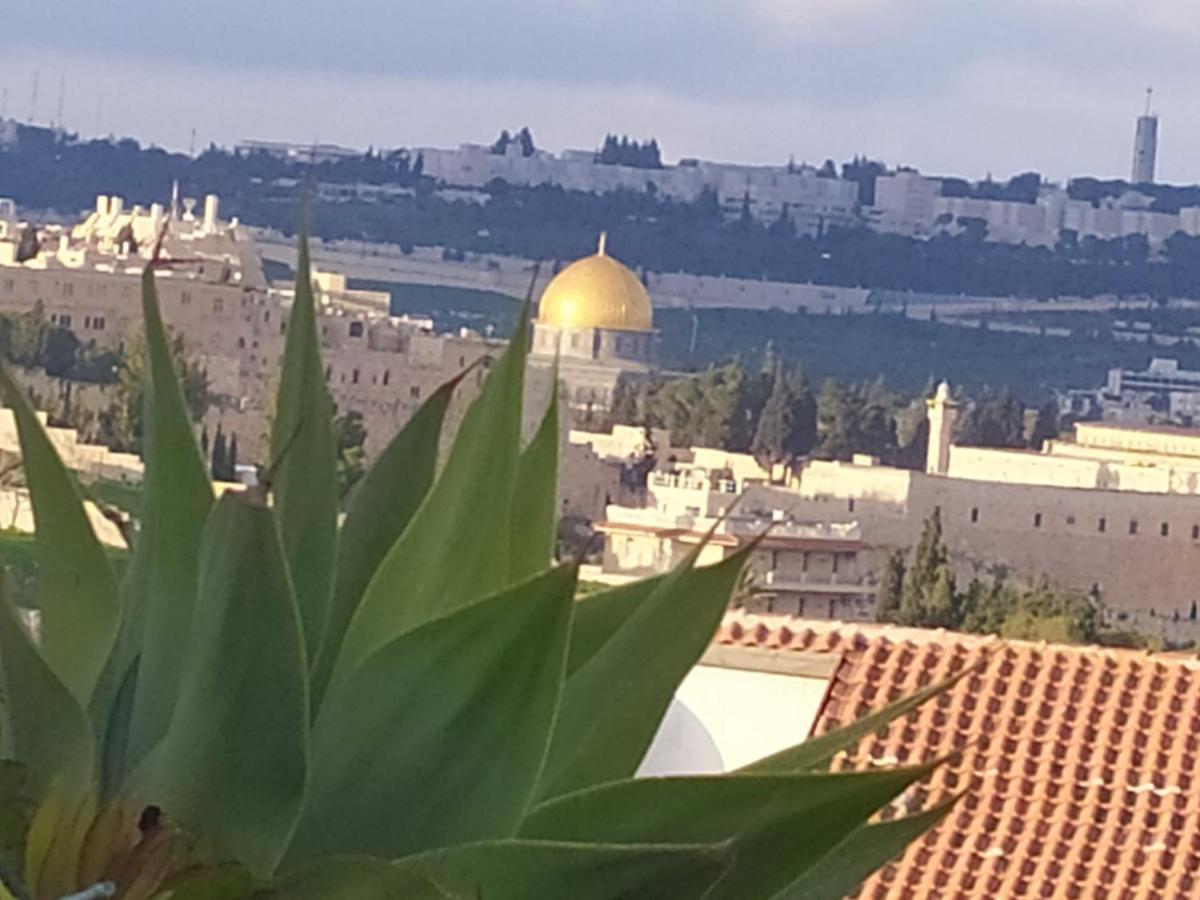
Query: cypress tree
point(231, 459)
point(774, 438)
point(891, 587)
point(219, 455)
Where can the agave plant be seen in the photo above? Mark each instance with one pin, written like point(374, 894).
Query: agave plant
point(411, 705)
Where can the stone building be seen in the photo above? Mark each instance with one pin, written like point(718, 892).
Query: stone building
point(234, 323)
point(802, 567)
point(1113, 513)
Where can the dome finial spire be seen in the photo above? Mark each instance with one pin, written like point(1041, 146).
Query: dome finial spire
point(602, 243)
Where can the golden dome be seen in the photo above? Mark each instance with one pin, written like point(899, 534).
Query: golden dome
point(596, 292)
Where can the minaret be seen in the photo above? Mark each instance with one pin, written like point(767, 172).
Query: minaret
point(943, 412)
point(1145, 145)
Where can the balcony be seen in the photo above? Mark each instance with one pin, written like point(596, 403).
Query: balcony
point(803, 583)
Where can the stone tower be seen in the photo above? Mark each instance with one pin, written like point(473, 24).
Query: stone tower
point(943, 413)
point(1145, 146)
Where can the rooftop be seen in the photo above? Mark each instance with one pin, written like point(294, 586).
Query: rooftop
point(1076, 764)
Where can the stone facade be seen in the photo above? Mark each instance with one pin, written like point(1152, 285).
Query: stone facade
point(232, 321)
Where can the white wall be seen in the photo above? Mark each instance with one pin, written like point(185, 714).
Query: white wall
point(723, 719)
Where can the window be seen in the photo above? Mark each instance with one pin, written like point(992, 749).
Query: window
point(974, 514)
point(218, 304)
point(354, 377)
point(186, 298)
point(9, 284)
point(414, 391)
point(804, 561)
point(65, 320)
point(267, 316)
point(1133, 526)
point(68, 290)
point(1037, 520)
point(328, 372)
point(87, 321)
point(1070, 520)
point(836, 557)
point(850, 504)
point(462, 361)
point(98, 323)
point(387, 376)
point(356, 329)
point(1102, 525)
point(1164, 529)
point(241, 343)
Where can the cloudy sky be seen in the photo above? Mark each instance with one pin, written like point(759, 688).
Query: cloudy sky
point(950, 86)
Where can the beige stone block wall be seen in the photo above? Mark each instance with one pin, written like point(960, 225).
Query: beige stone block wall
point(16, 513)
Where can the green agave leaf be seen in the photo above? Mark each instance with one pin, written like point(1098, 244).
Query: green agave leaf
point(599, 616)
point(456, 548)
point(16, 810)
point(357, 877)
point(233, 764)
point(614, 703)
point(520, 870)
point(223, 883)
point(840, 871)
point(112, 732)
point(44, 828)
point(816, 753)
point(385, 501)
point(304, 458)
point(534, 513)
point(176, 500)
point(77, 593)
point(778, 825)
point(440, 736)
point(42, 725)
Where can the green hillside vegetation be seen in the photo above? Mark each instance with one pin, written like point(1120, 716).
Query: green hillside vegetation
point(907, 352)
point(49, 171)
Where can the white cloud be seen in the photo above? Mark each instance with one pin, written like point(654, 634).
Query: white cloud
point(1174, 18)
point(802, 17)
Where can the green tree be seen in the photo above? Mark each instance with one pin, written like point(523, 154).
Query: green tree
point(27, 336)
point(927, 597)
point(220, 456)
point(855, 419)
point(993, 420)
point(1046, 427)
point(890, 590)
point(773, 437)
point(122, 425)
point(231, 461)
point(59, 352)
point(350, 436)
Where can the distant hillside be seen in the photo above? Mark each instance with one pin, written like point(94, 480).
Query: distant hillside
point(45, 172)
point(906, 352)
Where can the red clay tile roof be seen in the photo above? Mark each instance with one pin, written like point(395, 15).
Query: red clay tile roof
point(1079, 764)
